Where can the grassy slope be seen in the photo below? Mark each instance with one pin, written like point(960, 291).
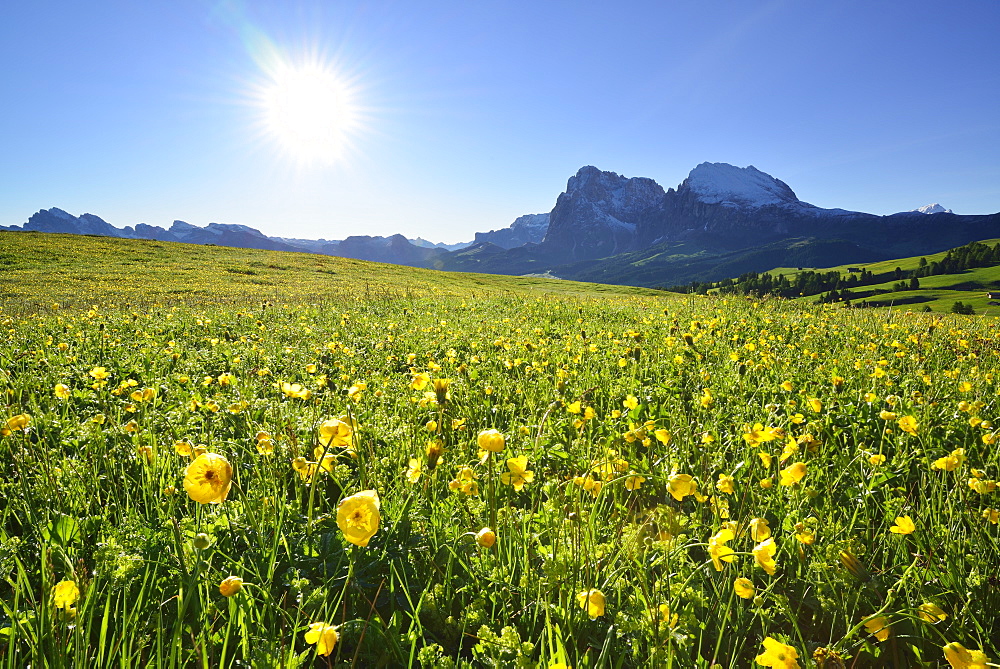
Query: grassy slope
point(80, 269)
point(938, 292)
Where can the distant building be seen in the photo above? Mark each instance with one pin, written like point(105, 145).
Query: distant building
point(993, 295)
point(854, 270)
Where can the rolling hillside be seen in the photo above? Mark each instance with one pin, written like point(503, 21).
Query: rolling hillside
point(938, 292)
point(79, 269)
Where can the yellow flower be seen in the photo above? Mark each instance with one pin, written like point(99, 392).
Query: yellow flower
point(681, 485)
point(804, 534)
point(414, 470)
point(419, 380)
point(759, 530)
point(464, 482)
point(208, 478)
point(230, 586)
point(324, 636)
point(886, 415)
point(358, 517)
point(305, 468)
point(65, 594)
point(591, 601)
point(908, 424)
point(182, 448)
point(961, 658)
point(763, 553)
point(815, 404)
point(265, 446)
point(706, 399)
point(662, 436)
point(793, 474)
point(441, 389)
point(62, 391)
point(992, 515)
point(99, 373)
point(878, 627)
point(518, 474)
point(630, 402)
point(787, 386)
point(766, 483)
point(18, 422)
point(295, 391)
point(950, 463)
point(778, 655)
point(758, 434)
point(355, 392)
point(876, 460)
point(904, 525)
point(744, 588)
point(491, 440)
point(725, 484)
point(590, 484)
point(143, 395)
point(634, 482)
point(662, 613)
point(486, 537)
point(719, 551)
point(337, 432)
point(931, 612)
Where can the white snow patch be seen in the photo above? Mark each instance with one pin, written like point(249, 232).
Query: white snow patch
point(716, 183)
point(932, 209)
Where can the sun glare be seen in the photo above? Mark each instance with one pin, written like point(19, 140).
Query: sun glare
point(309, 111)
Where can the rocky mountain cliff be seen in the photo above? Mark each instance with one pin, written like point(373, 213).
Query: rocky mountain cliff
point(527, 229)
point(598, 215)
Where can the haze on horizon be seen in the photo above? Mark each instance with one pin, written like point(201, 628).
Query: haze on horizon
point(322, 120)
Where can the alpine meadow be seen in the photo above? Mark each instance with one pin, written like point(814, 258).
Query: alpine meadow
point(219, 457)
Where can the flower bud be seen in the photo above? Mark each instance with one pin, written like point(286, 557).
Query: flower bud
point(486, 537)
point(230, 586)
point(855, 566)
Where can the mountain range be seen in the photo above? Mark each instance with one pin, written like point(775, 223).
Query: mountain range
point(721, 221)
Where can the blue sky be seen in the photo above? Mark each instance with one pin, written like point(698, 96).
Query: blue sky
point(462, 116)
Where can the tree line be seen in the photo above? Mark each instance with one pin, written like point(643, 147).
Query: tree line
point(832, 286)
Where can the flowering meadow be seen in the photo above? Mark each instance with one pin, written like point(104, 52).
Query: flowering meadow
point(496, 477)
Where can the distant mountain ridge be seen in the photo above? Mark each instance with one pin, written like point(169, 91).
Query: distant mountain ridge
point(395, 249)
point(610, 228)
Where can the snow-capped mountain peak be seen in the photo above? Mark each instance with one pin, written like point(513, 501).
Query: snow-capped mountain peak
point(932, 209)
point(721, 183)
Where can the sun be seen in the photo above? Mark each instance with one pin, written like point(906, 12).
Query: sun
point(309, 111)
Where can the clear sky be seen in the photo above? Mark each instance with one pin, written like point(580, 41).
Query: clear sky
point(327, 118)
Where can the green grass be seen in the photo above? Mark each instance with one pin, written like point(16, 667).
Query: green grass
point(619, 400)
point(877, 267)
point(75, 270)
point(938, 292)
